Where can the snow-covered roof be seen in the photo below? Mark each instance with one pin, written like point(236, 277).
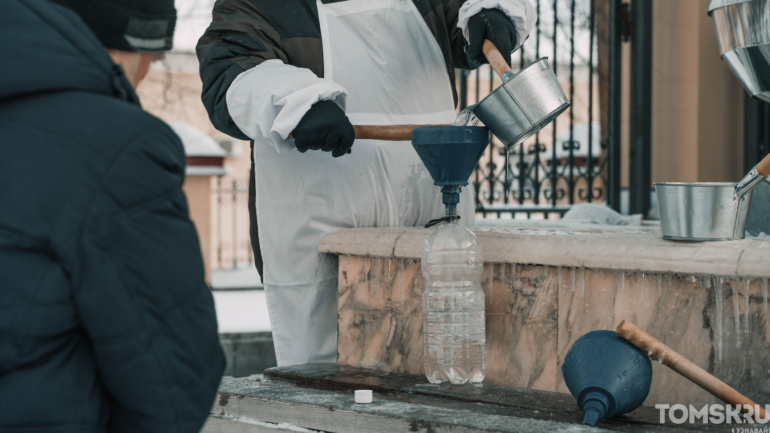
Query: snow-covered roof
point(197, 143)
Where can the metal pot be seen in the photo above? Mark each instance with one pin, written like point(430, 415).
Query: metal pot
point(523, 104)
point(708, 211)
point(702, 211)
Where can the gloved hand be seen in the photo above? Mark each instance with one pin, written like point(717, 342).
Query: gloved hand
point(324, 127)
point(494, 25)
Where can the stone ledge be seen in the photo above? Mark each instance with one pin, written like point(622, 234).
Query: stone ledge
point(250, 404)
point(320, 397)
point(580, 245)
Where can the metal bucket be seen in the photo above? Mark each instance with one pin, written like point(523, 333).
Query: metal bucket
point(702, 211)
point(523, 104)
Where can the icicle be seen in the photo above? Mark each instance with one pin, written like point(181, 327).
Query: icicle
point(737, 315)
point(572, 278)
point(659, 282)
point(692, 278)
point(621, 280)
point(403, 279)
point(545, 270)
point(387, 270)
point(491, 275)
point(640, 280)
point(377, 272)
point(558, 280)
point(513, 272)
point(491, 281)
point(746, 284)
point(718, 295)
point(418, 277)
point(582, 282)
point(764, 292)
point(347, 272)
point(367, 273)
point(668, 280)
point(705, 282)
point(502, 274)
point(596, 274)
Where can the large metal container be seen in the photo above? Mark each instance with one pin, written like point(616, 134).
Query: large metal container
point(743, 30)
point(702, 211)
point(524, 104)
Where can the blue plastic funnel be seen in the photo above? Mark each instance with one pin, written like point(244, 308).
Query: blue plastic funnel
point(450, 153)
point(608, 375)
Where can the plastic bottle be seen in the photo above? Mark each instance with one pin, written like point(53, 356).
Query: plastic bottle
point(454, 327)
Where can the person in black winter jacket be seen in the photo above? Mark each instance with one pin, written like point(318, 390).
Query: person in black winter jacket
point(106, 322)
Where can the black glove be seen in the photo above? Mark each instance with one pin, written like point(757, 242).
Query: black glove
point(324, 127)
point(494, 25)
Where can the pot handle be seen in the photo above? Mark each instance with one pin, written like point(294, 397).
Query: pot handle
point(760, 172)
point(763, 167)
point(495, 58)
point(384, 132)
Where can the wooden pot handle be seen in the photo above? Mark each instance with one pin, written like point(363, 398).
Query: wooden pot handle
point(495, 59)
point(763, 167)
point(384, 132)
point(662, 353)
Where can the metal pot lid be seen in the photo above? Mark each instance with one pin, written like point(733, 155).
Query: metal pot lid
point(716, 4)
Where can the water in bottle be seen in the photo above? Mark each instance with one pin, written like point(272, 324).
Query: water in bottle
point(453, 306)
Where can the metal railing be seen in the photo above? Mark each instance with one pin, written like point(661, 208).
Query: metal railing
point(230, 235)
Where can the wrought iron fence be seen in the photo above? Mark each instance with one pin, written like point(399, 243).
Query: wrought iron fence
point(230, 237)
point(566, 162)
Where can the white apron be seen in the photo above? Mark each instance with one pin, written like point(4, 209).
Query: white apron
point(383, 53)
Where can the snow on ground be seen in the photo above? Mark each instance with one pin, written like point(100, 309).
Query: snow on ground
point(241, 311)
point(240, 300)
point(245, 276)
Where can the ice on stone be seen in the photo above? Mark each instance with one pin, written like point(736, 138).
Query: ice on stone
point(746, 282)
point(737, 315)
point(718, 295)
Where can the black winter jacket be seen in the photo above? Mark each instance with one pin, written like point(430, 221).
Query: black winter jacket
point(106, 322)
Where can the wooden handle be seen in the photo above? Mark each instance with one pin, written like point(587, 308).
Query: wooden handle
point(662, 353)
point(385, 132)
point(764, 166)
point(495, 59)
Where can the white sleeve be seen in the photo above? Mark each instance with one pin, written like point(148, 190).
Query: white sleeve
point(521, 12)
point(268, 101)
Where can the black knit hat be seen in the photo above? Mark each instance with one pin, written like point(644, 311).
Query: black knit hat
point(128, 25)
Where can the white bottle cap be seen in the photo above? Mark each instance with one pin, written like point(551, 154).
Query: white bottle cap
point(364, 396)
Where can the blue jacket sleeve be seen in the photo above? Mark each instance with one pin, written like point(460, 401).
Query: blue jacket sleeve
point(141, 294)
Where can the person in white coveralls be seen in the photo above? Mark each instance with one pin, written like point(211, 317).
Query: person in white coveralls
point(293, 76)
